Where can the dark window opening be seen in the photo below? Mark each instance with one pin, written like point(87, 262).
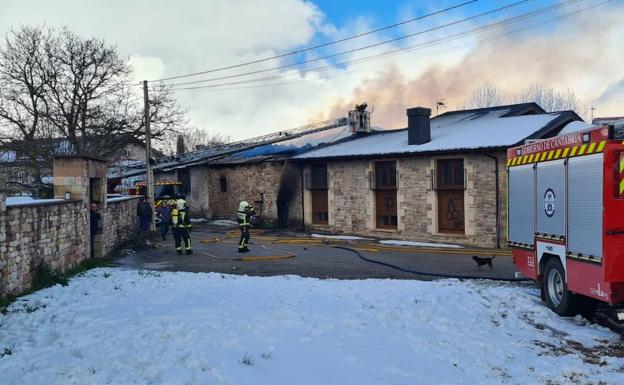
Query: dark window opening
point(450, 174)
point(385, 176)
point(184, 176)
point(318, 177)
point(223, 184)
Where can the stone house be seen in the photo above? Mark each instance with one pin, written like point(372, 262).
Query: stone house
point(262, 175)
point(441, 179)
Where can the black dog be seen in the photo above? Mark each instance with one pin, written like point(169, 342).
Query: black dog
point(483, 261)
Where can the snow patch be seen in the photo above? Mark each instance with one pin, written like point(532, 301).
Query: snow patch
point(223, 222)
point(119, 199)
point(20, 201)
point(414, 243)
point(342, 237)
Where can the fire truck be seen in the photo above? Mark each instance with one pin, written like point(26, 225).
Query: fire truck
point(566, 217)
point(163, 191)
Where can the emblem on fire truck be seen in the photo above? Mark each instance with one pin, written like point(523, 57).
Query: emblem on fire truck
point(550, 202)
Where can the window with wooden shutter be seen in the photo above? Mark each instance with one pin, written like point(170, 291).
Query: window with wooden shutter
point(450, 185)
point(386, 183)
point(318, 190)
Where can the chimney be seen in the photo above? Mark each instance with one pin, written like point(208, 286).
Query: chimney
point(418, 125)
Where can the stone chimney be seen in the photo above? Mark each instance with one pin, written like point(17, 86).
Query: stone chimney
point(418, 125)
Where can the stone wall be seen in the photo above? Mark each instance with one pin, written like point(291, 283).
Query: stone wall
point(56, 234)
point(352, 202)
point(119, 223)
point(261, 184)
point(198, 198)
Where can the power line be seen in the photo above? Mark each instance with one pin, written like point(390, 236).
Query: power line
point(430, 43)
point(421, 32)
point(323, 44)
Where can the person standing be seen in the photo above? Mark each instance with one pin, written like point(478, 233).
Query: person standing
point(94, 225)
point(181, 224)
point(164, 214)
point(144, 212)
point(243, 215)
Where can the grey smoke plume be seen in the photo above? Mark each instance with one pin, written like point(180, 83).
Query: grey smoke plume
point(582, 54)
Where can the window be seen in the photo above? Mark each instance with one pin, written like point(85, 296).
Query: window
point(386, 194)
point(184, 175)
point(385, 176)
point(223, 183)
point(450, 189)
point(318, 190)
point(318, 177)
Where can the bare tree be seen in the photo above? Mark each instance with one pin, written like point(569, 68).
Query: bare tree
point(488, 95)
point(548, 98)
point(23, 103)
point(485, 95)
point(55, 84)
point(194, 138)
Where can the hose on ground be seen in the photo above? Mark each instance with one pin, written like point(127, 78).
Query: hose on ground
point(286, 255)
point(439, 275)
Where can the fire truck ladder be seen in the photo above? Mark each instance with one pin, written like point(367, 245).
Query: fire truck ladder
point(138, 168)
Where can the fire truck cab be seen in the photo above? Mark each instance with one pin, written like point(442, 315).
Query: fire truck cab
point(566, 217)
point(163, 191)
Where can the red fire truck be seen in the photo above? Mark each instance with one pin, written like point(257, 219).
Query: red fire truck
point(566, 217)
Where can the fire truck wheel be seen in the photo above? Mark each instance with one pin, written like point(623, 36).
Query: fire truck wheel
point(558, 297)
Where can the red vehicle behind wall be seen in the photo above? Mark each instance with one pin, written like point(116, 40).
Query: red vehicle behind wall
point(566, 217)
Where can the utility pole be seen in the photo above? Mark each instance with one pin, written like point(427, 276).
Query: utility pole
point(148, 154)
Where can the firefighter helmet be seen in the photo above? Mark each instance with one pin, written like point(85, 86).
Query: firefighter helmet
point(242, 206)
point(181, 203)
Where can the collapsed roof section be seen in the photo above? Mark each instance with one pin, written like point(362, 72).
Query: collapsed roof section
point(286, 142)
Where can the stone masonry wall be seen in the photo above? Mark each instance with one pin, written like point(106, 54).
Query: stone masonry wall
point(352, 203)
point(199, 199)
point(119, 223)
point(258, 183)
point(55, 233)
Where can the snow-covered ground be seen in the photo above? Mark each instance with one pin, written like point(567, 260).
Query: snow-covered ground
point(114, 326)
point(421, 244)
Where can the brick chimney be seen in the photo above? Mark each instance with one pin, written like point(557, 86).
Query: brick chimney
point(418, 125)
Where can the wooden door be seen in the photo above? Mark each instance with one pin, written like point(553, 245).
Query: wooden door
point(386, 195)
point(450, 187)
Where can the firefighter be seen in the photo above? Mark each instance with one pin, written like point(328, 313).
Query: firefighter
point(244, 214)
point(181, 224)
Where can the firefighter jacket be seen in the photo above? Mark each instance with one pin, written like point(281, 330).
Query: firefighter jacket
point(180, 219)
point(244, 216)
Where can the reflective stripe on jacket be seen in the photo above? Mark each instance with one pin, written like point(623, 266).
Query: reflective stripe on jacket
point(244, 217)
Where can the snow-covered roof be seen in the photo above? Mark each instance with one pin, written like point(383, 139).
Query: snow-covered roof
point(574, 127)
point(458, 131)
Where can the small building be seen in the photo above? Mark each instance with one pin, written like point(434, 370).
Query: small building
point(441, 179)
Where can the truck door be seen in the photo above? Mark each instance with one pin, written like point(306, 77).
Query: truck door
point(614, 213)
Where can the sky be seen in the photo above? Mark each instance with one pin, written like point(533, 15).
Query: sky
point(573, 47)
